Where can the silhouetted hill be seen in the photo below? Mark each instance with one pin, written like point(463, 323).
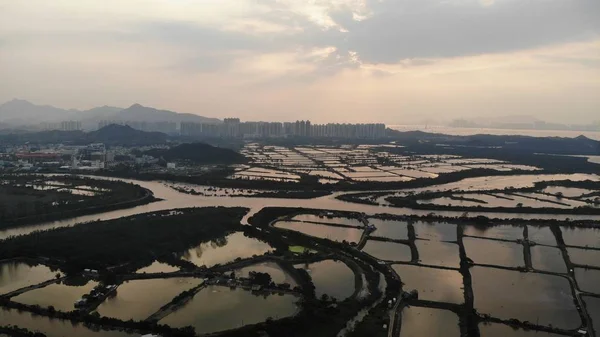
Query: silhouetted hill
point(138, 112)
point(199, 153)
point(123, 134)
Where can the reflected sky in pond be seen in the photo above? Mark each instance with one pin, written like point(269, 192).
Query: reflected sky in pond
point(482, 251)
point(53, 327)
point(139, 299)
point(157, 267)
point(588, 280)
point(391, 229)
point(501, 330)
point(507, 294)
point(332, 233)
point(583, 237)
point(226, 249)
point(584, 257)
point(592, 304)
point(62, 297)
point(432, 284)
point(417, 321)
point(505, 232)
point(548, 259)
point(438, 253)
point(277, 274)
point(385, 250)
point(17, 275)
point(221, 308)
point(333, 278)
point(541, 235)
point(437, 231)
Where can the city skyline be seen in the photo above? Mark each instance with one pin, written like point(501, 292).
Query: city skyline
point(342, 60)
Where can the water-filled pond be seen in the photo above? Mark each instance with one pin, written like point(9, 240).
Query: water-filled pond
point(587, 279)
point(501, 330)
point(157, 267)
point(501, 253)
point(546, 299)
point(61, 296)
point(438, 253)
point(548, 259)
point(220, 308)
point(17, 275)
point(592, 304)
point(584, 257)
point(226, 249)
point(583, 237)
point(541, 235)
point(437, 231)
point(432, 284)
point(505, 232)
point(328, 219)
point(139, 299)
point(418, 321)
point(277, 274)
point(53, 327)
point(332, 233)
point(391, 229)
point(333, 278)
point(386, 250)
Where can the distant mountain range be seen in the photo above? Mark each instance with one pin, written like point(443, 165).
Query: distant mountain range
point(22, 113)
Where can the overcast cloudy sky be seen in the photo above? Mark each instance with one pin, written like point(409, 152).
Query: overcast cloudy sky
point(392, 61)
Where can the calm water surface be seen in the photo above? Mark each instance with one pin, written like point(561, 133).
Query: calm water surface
point(437, 253)
point(53, 327)
point(583, 237)
point(397, 230)
point(417, 321)
point(501, 330)
point(584, 257)
point(333, 278)
point(541, 235)
point(333, 220)
point(390, 251)
point(432, 284)
point(437, 231)
point(226, 249)
point(62, 297)
point(139, 299)
point(173, 199)
point(157, 267)
point(588, 280)
point(592, 304)
point(546, 299)
point(323, 231)
point(496, 232)
point(548, 259)
point(277, 274)
point(17, 275)
point(220, 308)
point(482, 251)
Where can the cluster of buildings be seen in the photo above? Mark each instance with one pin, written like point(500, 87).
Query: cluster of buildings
point(63, 126)
point(234, 128)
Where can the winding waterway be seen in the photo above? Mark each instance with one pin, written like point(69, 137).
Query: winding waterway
point(173, 199)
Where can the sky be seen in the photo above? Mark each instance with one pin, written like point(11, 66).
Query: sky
point(390, 61)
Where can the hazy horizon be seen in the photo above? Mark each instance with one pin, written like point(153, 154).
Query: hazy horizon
point(327, 61)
